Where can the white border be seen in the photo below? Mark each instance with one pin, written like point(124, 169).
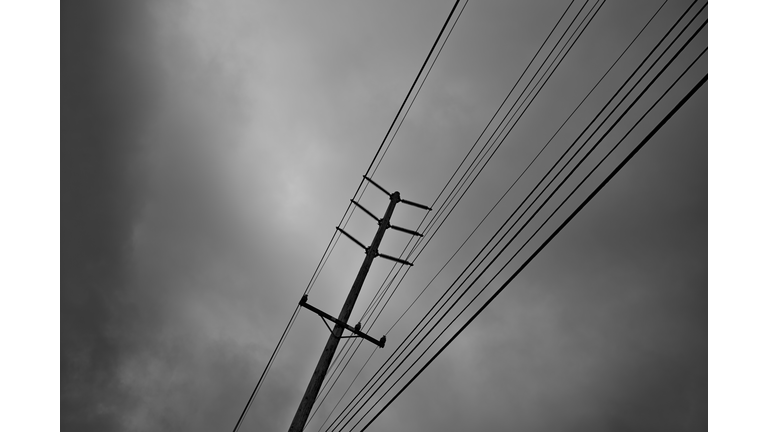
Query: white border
point(29, 175)
point(738, 354)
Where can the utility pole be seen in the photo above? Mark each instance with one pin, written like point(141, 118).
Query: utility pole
point(340, 323)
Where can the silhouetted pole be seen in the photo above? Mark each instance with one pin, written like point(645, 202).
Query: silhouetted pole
point(302, 413)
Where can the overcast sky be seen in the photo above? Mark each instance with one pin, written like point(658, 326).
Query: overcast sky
point(209, 149)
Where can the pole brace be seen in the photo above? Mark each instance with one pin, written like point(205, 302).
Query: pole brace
point(377, 185)
point(421, 206)
point(365, 210)
point(355, 330)
point(352, 238)
point(406, 230)
point(397, 260)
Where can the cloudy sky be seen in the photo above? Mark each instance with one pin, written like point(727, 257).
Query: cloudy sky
point(210, 148)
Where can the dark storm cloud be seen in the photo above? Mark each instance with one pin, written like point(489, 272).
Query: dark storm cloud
point(136, 178)
point(105, 90)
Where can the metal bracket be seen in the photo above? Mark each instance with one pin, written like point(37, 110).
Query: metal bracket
point(406, 230)
point(398, 260)
point(352, 238)
point(377, 185)
point(356, 330)
point(365, 210)
point(421, 206)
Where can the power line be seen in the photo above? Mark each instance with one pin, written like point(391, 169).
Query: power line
point(419, 90)
point(376, 299)
point(510, 129)
point(402, 119)
point(474, 164)
point(607, 104)
point(266, 369)
point(345, 347)
point(380, 298)
point(382, 290)
point(532, 236)
point(546, 242)
point(331, 244)
point(583, 20)
point(389, 130)
point(497, 142)
point(439, 35)
point(528, 166)
point(484, 150)
point(513, 213)
point(531, 218)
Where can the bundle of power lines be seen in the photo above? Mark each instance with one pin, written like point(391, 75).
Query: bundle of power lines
point(566, 187)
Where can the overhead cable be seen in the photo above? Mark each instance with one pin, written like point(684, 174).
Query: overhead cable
point(678, 21)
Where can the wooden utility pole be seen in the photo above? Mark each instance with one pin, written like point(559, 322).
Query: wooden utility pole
point(340, 323)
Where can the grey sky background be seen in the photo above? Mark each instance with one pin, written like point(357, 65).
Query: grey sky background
point(209, 149)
